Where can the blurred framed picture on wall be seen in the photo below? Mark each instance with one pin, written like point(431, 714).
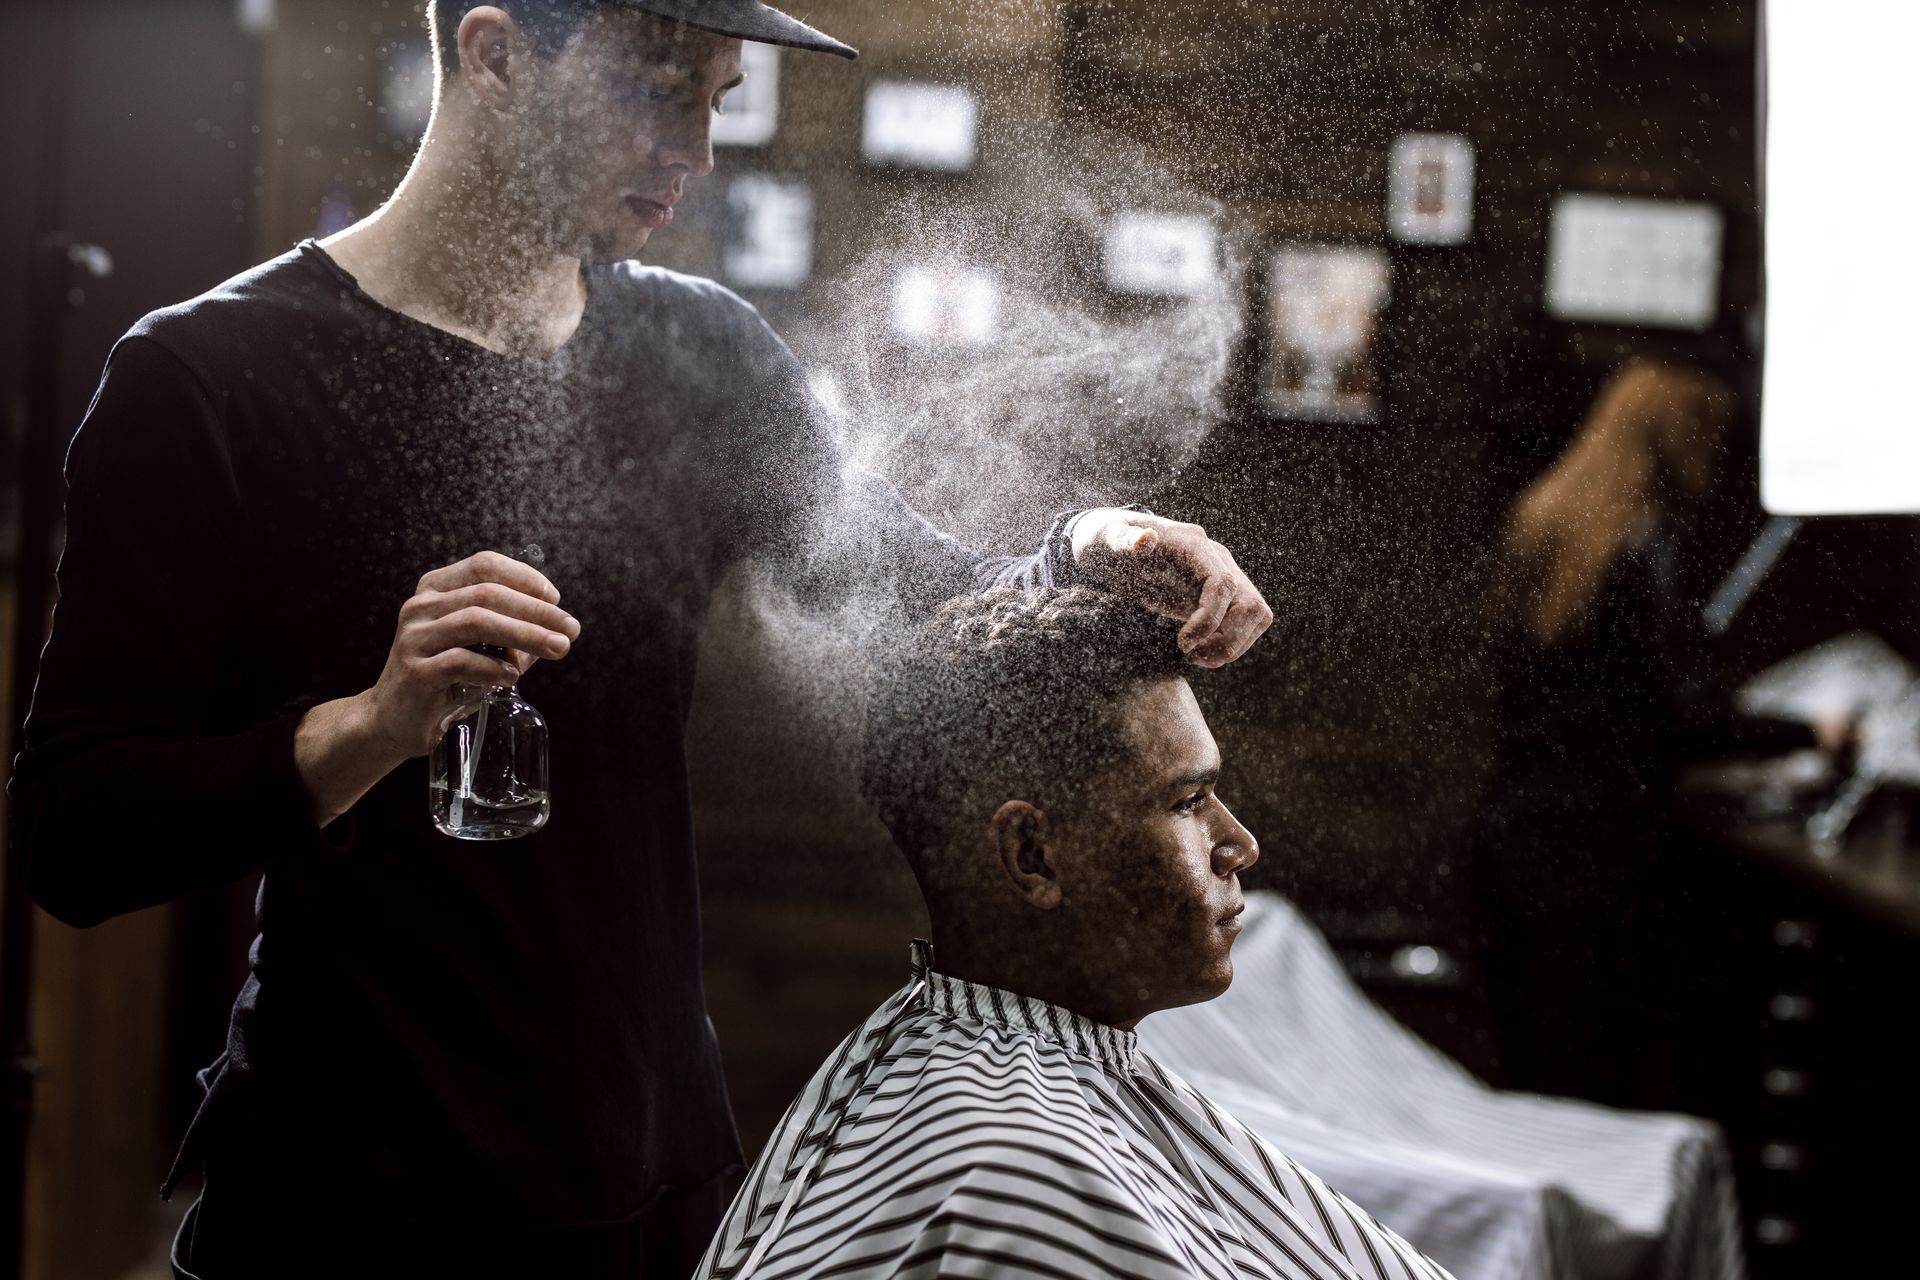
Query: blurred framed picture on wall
point(919, 126)
point(1323, 310)
point(768, 236)
point(751, 113)
point(945, 305)
point(1430, 188)
point(1161, 255)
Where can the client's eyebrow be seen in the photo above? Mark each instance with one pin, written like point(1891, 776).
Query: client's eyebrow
point(1195, 778)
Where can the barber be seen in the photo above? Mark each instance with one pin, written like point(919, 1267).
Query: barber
point(284, 510)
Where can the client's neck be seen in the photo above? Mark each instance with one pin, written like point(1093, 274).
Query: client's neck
point(1013, 960)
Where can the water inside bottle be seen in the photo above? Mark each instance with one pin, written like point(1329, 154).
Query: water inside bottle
point(487, 776)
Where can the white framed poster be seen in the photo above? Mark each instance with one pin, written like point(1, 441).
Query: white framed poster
point(769, 232)
point(1627, 260)
point(1167, 255)
point(919, 126)
point(1323, 310)
point(1430, 188)
point(946, 306)
point(750, 113)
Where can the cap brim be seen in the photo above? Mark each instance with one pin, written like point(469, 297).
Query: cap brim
point(748, 20)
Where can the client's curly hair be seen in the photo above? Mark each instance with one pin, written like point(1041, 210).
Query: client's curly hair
point(1004, 695)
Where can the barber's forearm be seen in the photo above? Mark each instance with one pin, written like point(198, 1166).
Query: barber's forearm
point(112, 821)
point(339, 756)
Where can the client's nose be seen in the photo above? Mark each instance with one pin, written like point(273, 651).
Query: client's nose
point(1236, 849)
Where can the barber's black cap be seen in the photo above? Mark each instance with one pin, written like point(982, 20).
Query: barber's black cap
point(747, 19)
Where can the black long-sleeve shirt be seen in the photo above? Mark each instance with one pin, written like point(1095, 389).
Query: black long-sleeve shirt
point(507, 1032)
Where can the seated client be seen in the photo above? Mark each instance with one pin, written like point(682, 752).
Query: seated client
point(1042, 762)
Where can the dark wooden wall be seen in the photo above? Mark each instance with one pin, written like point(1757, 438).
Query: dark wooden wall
point(148, 108)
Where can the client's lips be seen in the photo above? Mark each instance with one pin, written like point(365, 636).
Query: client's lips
point(1232, 918)
point(655, 213)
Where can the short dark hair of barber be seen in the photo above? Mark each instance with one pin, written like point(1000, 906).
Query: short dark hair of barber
point(547, 24)
point(1004, 695)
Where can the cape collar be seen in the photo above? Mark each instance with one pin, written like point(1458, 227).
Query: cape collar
point(992, 1006)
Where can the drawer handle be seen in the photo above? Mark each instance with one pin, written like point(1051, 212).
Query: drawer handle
point(1784, 1083)
point(1783, 1157)
point(1794, 933)
point(1786, 1008)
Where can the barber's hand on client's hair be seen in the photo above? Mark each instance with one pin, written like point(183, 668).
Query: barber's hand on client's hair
point(1177, 571)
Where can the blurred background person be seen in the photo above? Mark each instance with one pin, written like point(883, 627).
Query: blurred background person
point(1605, 688)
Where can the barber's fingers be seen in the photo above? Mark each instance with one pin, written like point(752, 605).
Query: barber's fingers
point(476, 625)
point(465, 667)
point(491, 566)
point(1176, 570)
point(1246, 621)
point(1216, 597)
point(494, 596)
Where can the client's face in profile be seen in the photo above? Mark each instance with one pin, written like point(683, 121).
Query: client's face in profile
point(1150, 863)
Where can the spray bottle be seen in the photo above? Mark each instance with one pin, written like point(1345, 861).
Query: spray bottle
point(487, 776)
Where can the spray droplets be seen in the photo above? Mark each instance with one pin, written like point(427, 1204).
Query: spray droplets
point(1077, 394)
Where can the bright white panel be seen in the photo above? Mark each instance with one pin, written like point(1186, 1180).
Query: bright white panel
point(1172, 255)
point(751, 112)
point(1620, 260)
point(769, 242)
point(921, 126)
point(1840, 430)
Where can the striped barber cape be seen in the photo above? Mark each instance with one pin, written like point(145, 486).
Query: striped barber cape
point(968, 1131)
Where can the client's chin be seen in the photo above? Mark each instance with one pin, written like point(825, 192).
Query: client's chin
point(1208, 985)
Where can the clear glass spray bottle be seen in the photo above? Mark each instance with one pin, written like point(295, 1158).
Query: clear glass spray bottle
point(487, 776)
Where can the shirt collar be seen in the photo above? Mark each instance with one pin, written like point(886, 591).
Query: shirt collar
point(1081, 1037)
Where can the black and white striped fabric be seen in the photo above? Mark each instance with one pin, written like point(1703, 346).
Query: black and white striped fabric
point(1492, 1185)
point(968, 1131)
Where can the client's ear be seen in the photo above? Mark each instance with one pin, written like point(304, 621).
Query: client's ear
point(1020, 842)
